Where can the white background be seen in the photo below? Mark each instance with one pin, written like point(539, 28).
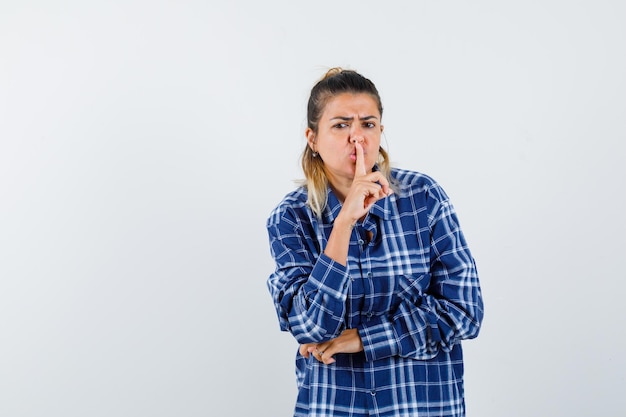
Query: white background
point(143, 144)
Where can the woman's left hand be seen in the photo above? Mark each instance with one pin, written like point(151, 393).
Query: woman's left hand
point(348, 342)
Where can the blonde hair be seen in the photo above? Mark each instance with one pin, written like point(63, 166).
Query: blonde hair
point(335, 81)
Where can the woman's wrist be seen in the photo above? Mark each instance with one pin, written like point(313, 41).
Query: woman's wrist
point(343, 223)
point(339, 239)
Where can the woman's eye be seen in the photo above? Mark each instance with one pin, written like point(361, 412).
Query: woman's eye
point(369, 125)
point(340, 125)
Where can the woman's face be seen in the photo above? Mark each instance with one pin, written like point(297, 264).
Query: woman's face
point(347, 118)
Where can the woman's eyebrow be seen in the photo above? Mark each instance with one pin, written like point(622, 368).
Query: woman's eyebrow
point(347, 118)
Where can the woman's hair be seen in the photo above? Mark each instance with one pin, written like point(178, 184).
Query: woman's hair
point(336, 81)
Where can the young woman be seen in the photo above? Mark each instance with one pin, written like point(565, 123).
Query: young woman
point(373, 275)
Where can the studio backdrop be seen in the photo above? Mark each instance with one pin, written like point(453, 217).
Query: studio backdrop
point(144, 143)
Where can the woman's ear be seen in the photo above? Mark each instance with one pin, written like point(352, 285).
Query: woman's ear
point(310, 138)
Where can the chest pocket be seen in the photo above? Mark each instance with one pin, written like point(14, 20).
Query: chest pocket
point(410, 288)
point(391, 291)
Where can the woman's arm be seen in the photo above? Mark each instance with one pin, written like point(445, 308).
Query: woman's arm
point(449, 310)
point(310, 289)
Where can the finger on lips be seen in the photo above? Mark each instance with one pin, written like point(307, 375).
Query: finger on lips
point(360, 169)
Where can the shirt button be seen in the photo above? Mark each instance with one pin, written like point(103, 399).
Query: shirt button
point(361, 242)
point(369, 274)
point(373, 393)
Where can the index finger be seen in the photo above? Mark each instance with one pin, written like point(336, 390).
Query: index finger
point(359, 169)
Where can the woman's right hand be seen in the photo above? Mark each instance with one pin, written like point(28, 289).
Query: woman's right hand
point(367, 189)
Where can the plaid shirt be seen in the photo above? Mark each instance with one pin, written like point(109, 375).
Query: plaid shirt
point(412, 292)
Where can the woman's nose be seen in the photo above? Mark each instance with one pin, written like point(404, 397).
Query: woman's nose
point(356, 138)
point(356, 134)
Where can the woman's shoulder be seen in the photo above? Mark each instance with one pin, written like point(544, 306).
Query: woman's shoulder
point(293, 204)
point(413, 183)
point(408, 178)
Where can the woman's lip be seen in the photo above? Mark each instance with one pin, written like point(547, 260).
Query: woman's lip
point(353, 156)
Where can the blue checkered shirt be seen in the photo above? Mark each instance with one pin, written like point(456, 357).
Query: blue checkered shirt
point(412, 291)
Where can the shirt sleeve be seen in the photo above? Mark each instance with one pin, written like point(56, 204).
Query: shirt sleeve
point(309, 289)
point(449, 310)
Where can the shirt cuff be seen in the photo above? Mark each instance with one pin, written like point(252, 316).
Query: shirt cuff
point(379, 338)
